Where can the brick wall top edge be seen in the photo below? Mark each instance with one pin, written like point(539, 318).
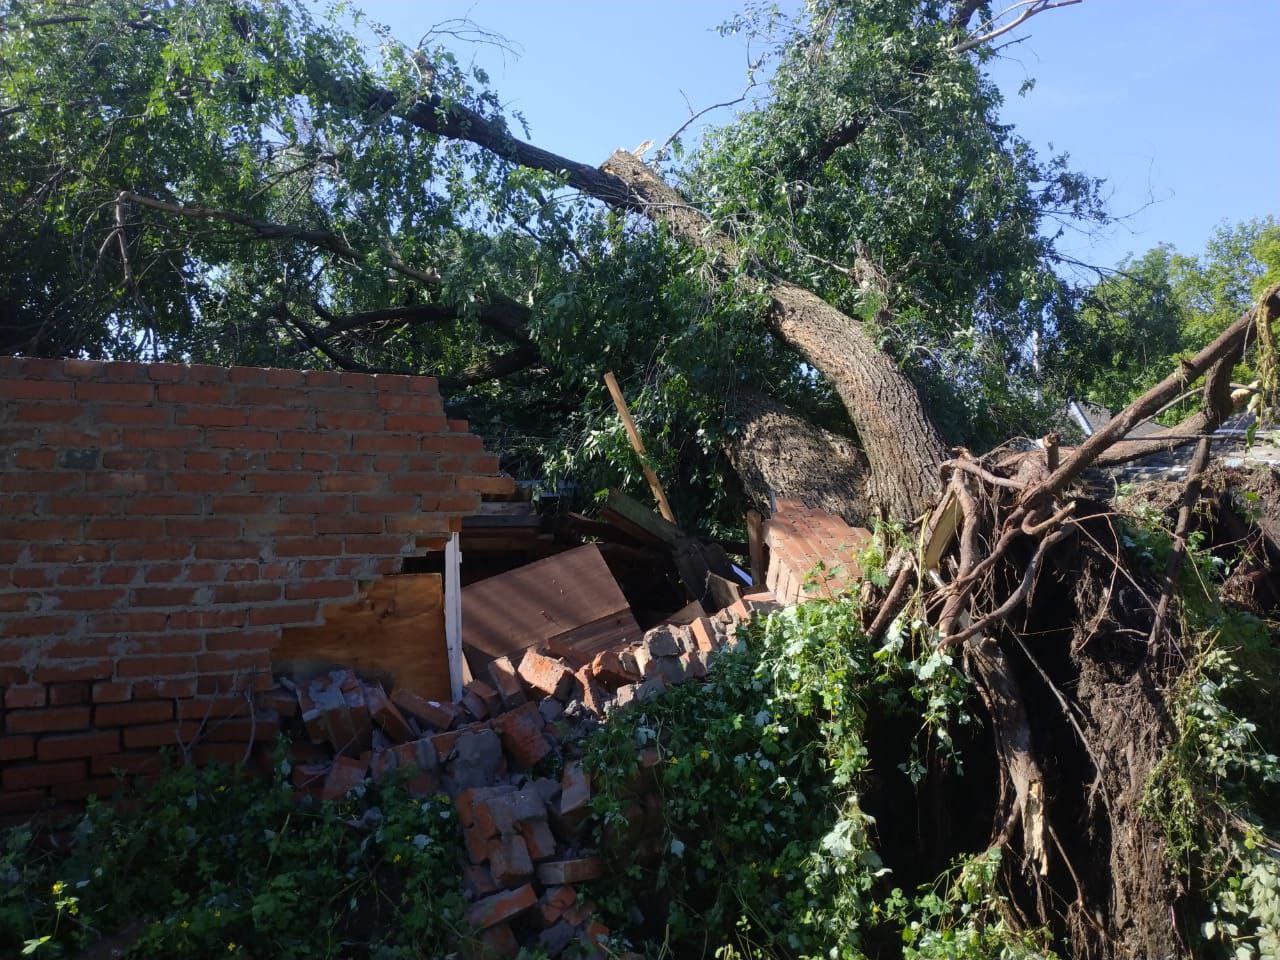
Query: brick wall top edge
point(123, 371)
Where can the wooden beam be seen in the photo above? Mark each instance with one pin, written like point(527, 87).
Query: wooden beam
point(755, 547)
point(638, 445)
point(639, 515)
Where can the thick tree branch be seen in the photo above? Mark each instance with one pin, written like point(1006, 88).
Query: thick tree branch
point(262, 229)
point(493, 367)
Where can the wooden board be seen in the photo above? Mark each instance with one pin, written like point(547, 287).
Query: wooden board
point(394, 632)
point(529, 606)
point(579, 646)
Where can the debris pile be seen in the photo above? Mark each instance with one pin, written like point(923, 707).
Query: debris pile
point(496, 753)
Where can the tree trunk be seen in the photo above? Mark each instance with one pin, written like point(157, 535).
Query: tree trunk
point(778, 453)
point(903, 448)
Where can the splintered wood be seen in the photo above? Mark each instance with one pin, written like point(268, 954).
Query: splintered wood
point(569, 604)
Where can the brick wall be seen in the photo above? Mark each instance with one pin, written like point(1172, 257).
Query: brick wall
point(161, 523)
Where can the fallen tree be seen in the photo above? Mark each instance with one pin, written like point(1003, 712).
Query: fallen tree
point(1078, 654)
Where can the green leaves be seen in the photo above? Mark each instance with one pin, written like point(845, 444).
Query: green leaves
point(215, 863)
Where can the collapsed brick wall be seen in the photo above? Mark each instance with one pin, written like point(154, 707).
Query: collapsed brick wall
point(161, 523)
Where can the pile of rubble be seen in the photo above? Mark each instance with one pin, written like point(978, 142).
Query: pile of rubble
point(493, 752)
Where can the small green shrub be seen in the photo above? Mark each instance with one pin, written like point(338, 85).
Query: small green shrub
point(215, 862)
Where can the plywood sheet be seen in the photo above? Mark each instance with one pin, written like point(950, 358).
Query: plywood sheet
point(394, 631)
point(533, 604)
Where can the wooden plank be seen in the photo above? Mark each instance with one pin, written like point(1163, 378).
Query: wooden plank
point(528, 606)
point(395, 632)
point(688, 613)
point(620, 402)
point(641, 516)
point(580, 645)
point(453, 614)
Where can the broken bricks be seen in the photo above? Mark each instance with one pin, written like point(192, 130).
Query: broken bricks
point(522, 736)
point(547, 675)
point(523, 837)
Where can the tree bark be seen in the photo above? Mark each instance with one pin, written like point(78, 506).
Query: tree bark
point(778, 453)
point(903, 448)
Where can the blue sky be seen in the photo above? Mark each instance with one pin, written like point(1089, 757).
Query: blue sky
point(1175, 103)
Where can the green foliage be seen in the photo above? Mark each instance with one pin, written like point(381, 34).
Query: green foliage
point(765, 848)
point(217, 863)
point(960, 916)
point(877, 172)
point(1133, 325)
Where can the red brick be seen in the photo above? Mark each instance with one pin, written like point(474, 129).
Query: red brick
point(486, 484)
point(348, 420)
point(228, 705)
point(422, 482)
point(375, 546)
point(90, 599)
point(548, 676)
point(163, 688)
point(507, 682)
point(246, 592)
point(73, 745)
point(135, 416)
point(344, 776)
point(500, 907)
point(129, 763)
point(522, 737)
point(48, 719)
point(286, 613)
point(127, 622)
point(384, 713)
point(134, 528)
point(229, 754)
point(227, 550)
point(17, 747)
point(160, 735)
point(558, 872)
point(165, 596)
point(128, 714)
point(43, 775)
point(36, 390)
point(243, 439)
point(92, 669)
point(320, 589)
point(79, 791)
point(150, 666)
point(36, 626)
point(68, 694)
point(29, 695)
point(166, 504)
point(145, 439)
point(190, 393)
point(34, 459)
point(116, 392)
point(439, 715)
point(110, 691)
point(304, 547)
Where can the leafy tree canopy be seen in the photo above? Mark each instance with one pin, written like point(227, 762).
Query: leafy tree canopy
point(241, 182)
point(1132, 325)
